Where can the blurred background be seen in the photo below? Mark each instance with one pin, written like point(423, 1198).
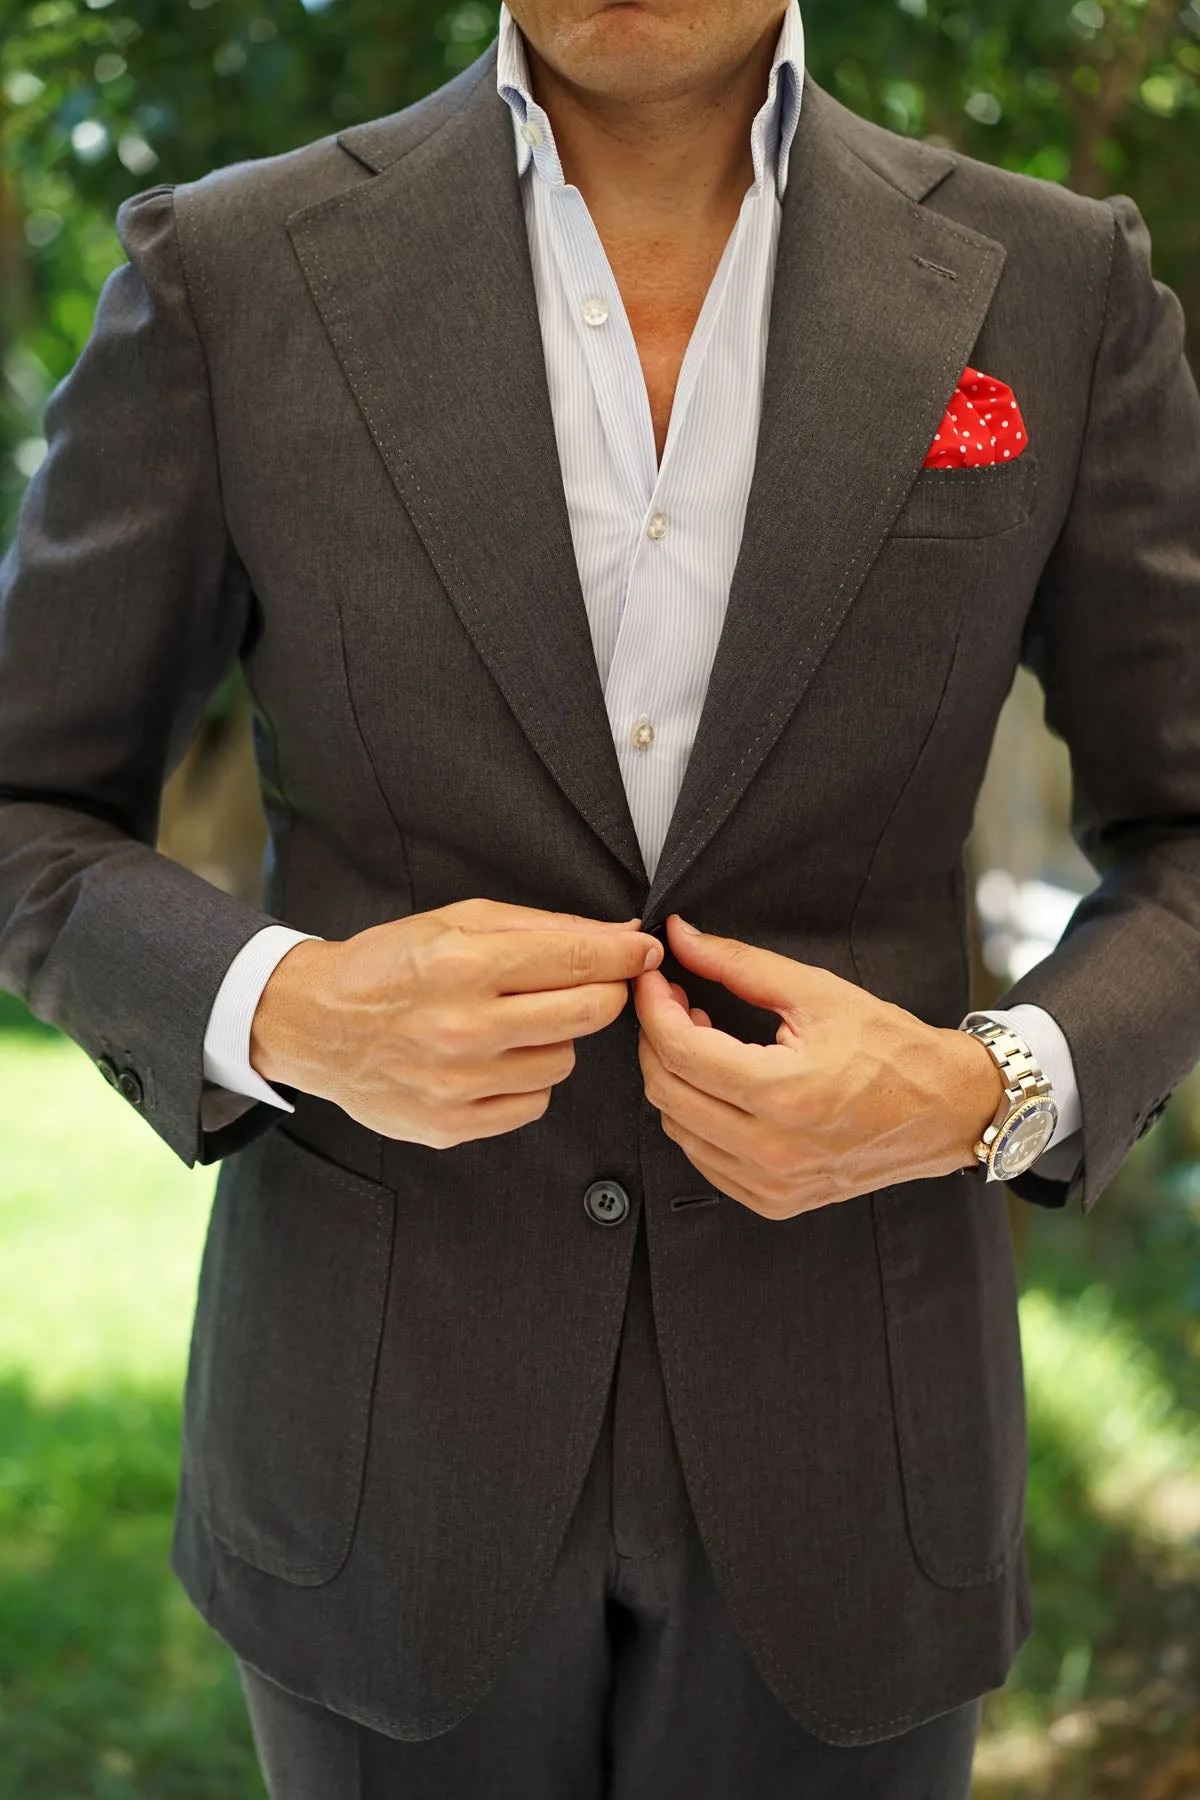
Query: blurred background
point(110, 1688)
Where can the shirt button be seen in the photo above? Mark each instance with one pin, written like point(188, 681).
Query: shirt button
point(657, 528)
point(532, 134)
point(595, 312)
point(641, 735)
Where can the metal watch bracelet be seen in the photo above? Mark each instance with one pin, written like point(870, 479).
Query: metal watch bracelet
point(1027, 1101)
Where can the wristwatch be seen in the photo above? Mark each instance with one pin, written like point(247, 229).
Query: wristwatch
point(1026, 1117)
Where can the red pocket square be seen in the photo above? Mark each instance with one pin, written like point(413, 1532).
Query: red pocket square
point(982, 424)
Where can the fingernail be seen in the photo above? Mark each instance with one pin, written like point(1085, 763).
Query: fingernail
point(684, 926)
point(653, 957)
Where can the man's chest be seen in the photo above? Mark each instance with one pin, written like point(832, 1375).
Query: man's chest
point(663, 293)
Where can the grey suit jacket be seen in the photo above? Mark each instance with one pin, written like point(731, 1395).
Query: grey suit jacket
point(312, 431)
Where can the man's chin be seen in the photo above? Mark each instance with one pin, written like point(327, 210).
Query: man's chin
point(625, 62)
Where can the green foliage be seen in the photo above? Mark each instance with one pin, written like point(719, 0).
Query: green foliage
point(111, 1686)
point(1114, 1472)
point(1105, 1401)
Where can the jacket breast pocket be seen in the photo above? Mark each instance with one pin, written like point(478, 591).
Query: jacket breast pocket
point(981, 501)
point(954, 1352)
point(289, 1319)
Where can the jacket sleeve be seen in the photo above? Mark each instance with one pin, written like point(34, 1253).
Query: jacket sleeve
point(122, 607)
point(1114, 638)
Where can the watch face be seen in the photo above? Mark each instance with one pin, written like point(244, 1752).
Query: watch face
point(1024, 1138)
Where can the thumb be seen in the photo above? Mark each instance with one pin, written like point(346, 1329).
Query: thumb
point(763, 977)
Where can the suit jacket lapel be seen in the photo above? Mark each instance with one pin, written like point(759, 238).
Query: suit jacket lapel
point(423, 279)
point(867, 342)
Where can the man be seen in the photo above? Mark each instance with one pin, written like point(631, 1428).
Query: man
point(625, 477)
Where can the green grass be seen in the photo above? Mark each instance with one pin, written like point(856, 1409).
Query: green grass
point(111, 1688)
point(101, 1227)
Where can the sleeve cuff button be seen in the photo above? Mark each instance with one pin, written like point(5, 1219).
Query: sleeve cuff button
point(129, 1085)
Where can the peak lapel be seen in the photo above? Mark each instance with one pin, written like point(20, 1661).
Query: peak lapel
point(865, 348)
point(423, 279)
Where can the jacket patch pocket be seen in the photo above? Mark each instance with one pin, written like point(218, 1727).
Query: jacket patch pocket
point(954, 1351)
point(979, 501)
point(289, 1319)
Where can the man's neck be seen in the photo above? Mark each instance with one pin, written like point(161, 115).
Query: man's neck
point(662, 168)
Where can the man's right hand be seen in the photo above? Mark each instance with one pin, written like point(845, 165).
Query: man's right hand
point(447, 1025)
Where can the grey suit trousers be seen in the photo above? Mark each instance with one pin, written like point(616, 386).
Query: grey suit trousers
point(630, 1682)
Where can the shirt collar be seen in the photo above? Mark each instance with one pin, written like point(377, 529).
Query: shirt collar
point(771, 134)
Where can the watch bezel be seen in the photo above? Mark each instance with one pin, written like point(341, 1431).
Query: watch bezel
point(1003, 1134)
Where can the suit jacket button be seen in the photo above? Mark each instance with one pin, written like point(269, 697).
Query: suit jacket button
point(606, 1202)
point(108, 1069)
point(130, 1086)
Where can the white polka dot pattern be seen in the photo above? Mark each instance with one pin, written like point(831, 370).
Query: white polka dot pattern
point(982, 424)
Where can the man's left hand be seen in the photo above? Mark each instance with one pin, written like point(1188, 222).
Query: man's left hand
point(855, 1094)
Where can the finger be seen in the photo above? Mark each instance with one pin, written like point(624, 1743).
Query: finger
point(777, 983)
point(559, 1015)
point(522, 1069)
point(524, 961)
point(501, 915)
point(698, 1016)
point(530, 919)
point(737, 1134)
point(711, 1059)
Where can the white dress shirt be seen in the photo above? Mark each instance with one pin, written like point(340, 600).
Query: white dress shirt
point(656, 545)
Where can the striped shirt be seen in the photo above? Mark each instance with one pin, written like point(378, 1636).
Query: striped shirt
point(656, 546)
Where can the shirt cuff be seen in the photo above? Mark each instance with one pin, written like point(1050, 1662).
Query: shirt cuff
point(227, 1062)
point(1060, 1159)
